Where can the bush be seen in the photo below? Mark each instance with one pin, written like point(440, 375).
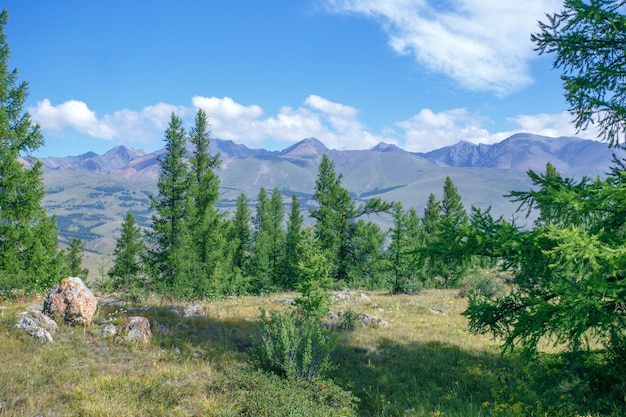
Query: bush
point(482, 283)
point(295, 345)
point(267, 395)
point(349, 319)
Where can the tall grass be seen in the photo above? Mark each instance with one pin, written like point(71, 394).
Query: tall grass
point(424, 364)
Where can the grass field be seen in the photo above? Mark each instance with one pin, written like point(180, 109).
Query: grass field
point(425, 363)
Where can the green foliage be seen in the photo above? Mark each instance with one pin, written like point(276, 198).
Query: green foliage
point(295, 345)
point(266, 395)
point(445, 232)
point(588, 39)
point(314, 281)
point(240, 233)
point(568, 272)
point(402, 253)
point(74, 259)
point(129, 249)
point(206, 224)
point(172, 264)
point(336, 225)
point(30, 258)
point(293, 252)
point(349, 320)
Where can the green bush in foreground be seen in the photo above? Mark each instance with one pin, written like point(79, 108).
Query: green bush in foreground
point(295, 346)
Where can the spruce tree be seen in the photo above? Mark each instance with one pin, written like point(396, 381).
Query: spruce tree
point(74, 259)
point(295, 223)
point(128, 252)
point(241, 235)
point(277, 237)
point(333, 216)
point(402, 250)
point(338, 229)
point(171, 262)
point(206, 223)
point(260, 264)
point(30, 259)
point(451, 235)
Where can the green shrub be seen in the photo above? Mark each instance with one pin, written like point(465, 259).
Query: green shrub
point(294, 345)
point(482, 283)
point(266, 395)
point(349, 319)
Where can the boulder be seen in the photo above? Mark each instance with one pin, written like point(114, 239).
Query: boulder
point(41, 320)
point(136, 329)
point(27, 323)
point(71, 301)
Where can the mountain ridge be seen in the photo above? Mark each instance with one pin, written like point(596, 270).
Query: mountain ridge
point(519, 152)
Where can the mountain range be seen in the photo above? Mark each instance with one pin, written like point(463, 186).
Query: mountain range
point(519, 152)
point(91, 193)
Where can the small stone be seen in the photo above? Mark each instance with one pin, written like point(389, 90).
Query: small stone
point(136, 329)
point(108, 330)
point(194, 310)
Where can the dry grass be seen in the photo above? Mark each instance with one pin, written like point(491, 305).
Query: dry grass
point(425, 363)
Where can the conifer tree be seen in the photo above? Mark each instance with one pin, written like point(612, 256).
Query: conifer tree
point(402, 250)
point(30, 259)
point(206, 223)
point(128, 252)
point(260, 264)
point(241, 235)
point(295, 223)
point(74, 259)
point(451, 234)
point(569, 272)
point(277, 237)
point(337, 216)
point(171, 261)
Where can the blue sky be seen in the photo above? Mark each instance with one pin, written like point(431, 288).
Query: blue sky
point(418, 73)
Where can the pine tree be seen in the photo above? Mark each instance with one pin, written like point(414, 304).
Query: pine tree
point(260, 263)
point(206, 223)
point(241, 235)
point(128, 252)
point(277, 237)
point(295, 223)
point(30, 257)
point(74, 259)
point(451, 234)
point(402, 250)
point(337, 216)
point(171, 263)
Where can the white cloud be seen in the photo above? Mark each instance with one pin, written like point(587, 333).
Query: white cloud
point(428, 130)
point(122, 125)
point(226, 108)
point(482, 44)
point(335, 124)
point(71, 113)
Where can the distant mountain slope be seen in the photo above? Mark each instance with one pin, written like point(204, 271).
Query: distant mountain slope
point(116, 158)
point(521, 152)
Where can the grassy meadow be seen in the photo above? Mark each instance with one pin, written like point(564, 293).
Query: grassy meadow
point(425, 363)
